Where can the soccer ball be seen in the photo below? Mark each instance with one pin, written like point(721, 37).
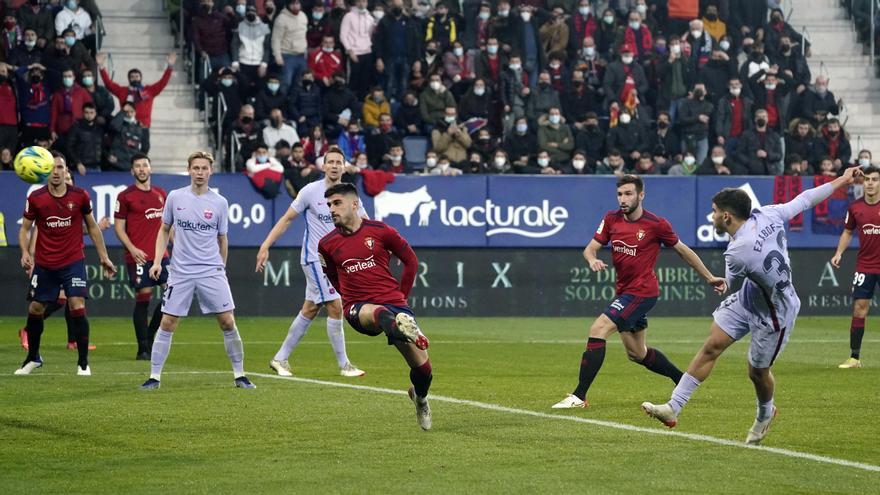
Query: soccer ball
point(34, 164)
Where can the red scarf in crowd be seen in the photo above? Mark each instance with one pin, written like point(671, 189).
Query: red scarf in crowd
point(786, 188)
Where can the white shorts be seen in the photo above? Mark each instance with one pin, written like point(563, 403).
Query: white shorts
point(211, 289)
point(319, 290)
point(768, 339)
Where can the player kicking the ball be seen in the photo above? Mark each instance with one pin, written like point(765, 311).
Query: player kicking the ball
point(200, 218)
point(766, 305)
point(59, 211)
point(863, 215)
point(310, 203)
point(635, 235)
point(355, 257)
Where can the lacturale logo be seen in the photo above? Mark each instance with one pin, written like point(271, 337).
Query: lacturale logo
point(534, 221)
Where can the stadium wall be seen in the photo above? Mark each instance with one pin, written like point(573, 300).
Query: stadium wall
point(480, 211)
point(469, 282)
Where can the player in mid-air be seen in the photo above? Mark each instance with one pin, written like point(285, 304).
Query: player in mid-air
point(59, 211)
point(355, 257)
point(310, 203)
point(138, 220)
point(635, 235)
point(766, 305)
point(200, 218)
point(863, 215)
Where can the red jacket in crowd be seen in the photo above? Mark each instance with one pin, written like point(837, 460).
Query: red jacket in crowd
point(8, 109)
point(142, 98)
point(67, 108)
point(325, 64)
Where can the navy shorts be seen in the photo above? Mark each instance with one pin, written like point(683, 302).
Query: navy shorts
point(352, 317)
point(629, 312)
point(863, 285)
point(46, 283)
point(139, 275)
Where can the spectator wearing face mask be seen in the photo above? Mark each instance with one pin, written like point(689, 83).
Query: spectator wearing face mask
point(380, 139)
point(356, 33)
point(67, 107)
point(136, 92)
point(613, 164)
point(450, 138)
point(833, 141)
point(251, 49)
point(694, 115)
point(489, 64)
point(759, 149)
point(579, 101)
point(791, 63)
point(304, 105)
point(776, 28)
point(628, 136)
point(674, 73)
point(623, 76)
point(688, 166)
point(289, 43)
point(443, 168)
point(713, 24)
point(11, 36)
point(484, 144)
point(318, 26)
point(27, 52)
point(554, 137)
point(228, 83)
point(443, 28)
point(129, 138)
point(85, 141)
point(265, 172)
point(554, 32)
point(637, 36)
point(351, 141)
point(476, 103)
point(769, 90)
point(397, 44)
point(100, 96)
point(582, 23)
point(434, 101)
point(527, 41)
point(409, 115)
point(579, 164)
point(698, 45)
point(67, 53)
point(326, 62)
point(278, 131)
point(73, 16)
point(499, 164)
point(590, 139)
point(210, 36)
point(732, 115)
point(515, 91)
point(520, 144)
point(375, 104)
point(458, 69)
point(606, 34)
point(719, 163)
point(338, 106)
point(503, 25)
point(395, 161)
point(664, 143)
point(269, 97)
point(34, 96)
point(476, 32)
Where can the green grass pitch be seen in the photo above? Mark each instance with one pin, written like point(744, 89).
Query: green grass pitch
point(60, 433)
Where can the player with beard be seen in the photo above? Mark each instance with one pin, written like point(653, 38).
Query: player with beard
point(138, 220)
point(635, 235)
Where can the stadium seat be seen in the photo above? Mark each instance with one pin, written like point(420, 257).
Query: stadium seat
point(415, 148)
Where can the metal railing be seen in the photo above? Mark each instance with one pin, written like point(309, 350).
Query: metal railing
point(805, 33)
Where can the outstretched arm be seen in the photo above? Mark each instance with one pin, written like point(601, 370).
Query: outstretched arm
point(811, 197)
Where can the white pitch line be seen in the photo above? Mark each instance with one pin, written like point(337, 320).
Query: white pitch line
point(607, 424)
point(474, 342)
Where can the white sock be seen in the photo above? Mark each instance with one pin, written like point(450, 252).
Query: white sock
point(235, 351)
point(161, 348)
point(683, 391)
point(294, 334)
point(337, 340)
point(765, 410)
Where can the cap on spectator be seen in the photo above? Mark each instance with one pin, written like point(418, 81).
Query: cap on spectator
point(251, 8)
point(626, 48)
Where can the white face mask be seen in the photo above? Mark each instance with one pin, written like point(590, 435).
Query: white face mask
point(585, 11)
point(675, 49)
point(625, 118)
point(725, 45)
point(479, 90)
point(484, 16)
point(770, 87)
point(578, 164)
point(717, 160)
point(627, 59)
point(635, 24)
point(642, 9)
point(554, 119)
point(543, 162)
point(396, 158)
point(436, 85)
point(449, 119)
point(735, 92)
point(458, 51)
point(526, 16)
point(864, 162)
point(696, 34)
point(431, 162)
point(514, 67)
point(589, 51)
point(689, 160)
point(378, 14)
point(500, 161)
point(522, 128)
point(503, 13)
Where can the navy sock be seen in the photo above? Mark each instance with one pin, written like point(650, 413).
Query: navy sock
point(139, 319)
point(34, 333)
point(421, 377)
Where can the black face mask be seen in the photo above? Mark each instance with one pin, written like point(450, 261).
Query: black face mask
point(712, 17)
point(251, 17)
point(247, 120)
point(431, 51)
point(662, 125)
point(206, 9)
point(543, 85)
point(757, 56)
point(36, 79)
point(833, 133)
point(699, 94)
point(396, 11)
point(777, 19)
point(592, 127)
point(786, 47)
point(760, 122)
point(339, 84)
point(3, 79)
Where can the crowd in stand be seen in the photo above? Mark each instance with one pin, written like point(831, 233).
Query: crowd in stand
point(677, 87)
point(49, 91)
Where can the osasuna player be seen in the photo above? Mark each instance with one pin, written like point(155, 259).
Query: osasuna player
point(59, 210)
point(138, 220)
point(355, 257)
point(310, 203)
point(863, 215)
point(200, 218)
point(766, 305)
point(635, 235)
